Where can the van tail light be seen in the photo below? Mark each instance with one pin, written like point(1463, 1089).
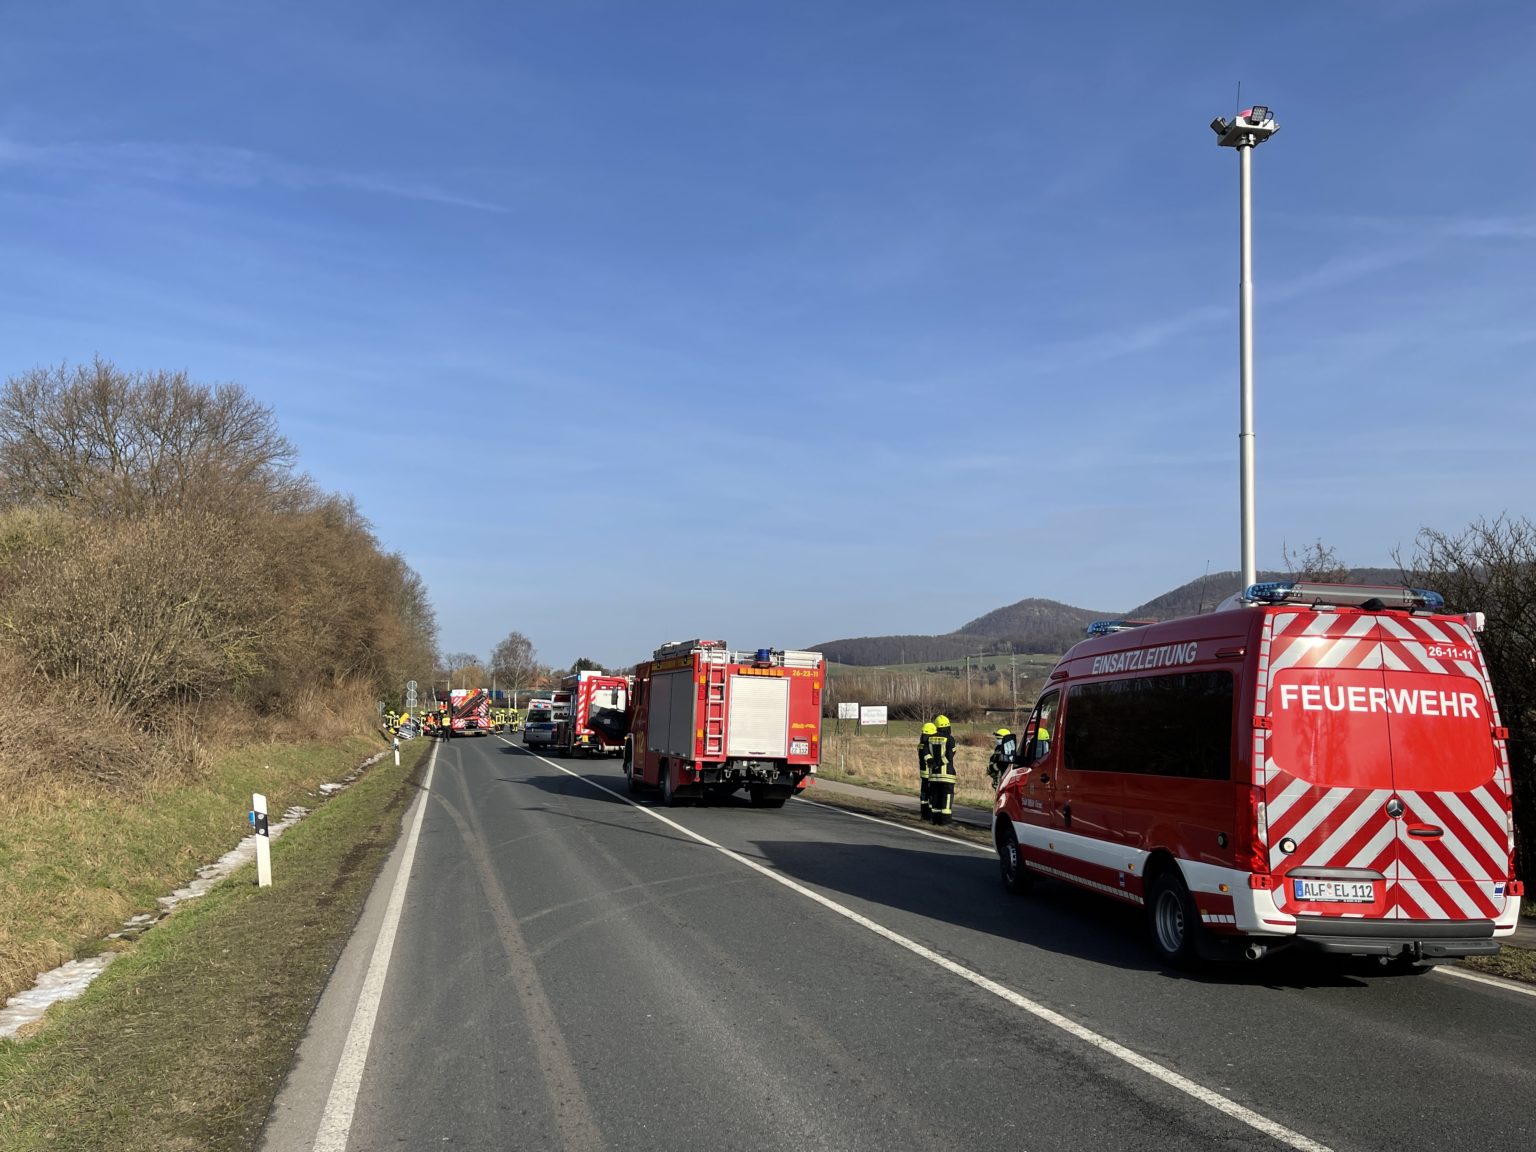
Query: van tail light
point(1264, 882)
point(1251, 850)
point(1517, 887)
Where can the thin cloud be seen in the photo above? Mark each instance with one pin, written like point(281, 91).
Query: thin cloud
point(219, 165)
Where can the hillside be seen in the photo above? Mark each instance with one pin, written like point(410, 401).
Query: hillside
point(1204, 594)
point(1033, 622)
point(1036, 625)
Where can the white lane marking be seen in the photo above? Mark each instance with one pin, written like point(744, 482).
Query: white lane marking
point(336, 1122)
point(893, 824)
point(1491, 981)
point(1442, 969)
point(1141, 1063)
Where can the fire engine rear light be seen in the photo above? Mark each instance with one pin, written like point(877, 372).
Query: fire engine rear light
point(1349, 595)
point(1264, 883)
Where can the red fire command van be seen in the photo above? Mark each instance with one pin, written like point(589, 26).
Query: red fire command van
point(706, 721)
point(1313, 764)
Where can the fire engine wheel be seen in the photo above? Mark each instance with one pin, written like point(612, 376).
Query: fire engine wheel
point(1172, 919)
point(629, 766)
point(1010, 863)
point(668, 796)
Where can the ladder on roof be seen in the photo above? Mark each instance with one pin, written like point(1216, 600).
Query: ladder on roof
point(715, 670)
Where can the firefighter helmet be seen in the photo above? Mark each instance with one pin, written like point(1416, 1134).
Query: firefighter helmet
point(1001, 732)
point(929, 730)
point(941, 721)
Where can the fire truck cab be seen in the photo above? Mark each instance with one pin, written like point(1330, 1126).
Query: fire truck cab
point(705, 722)
point(1310, 765)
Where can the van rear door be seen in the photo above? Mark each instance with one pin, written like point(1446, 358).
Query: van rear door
point(1326, 772)
point(1379, 782)
point(1454, 834)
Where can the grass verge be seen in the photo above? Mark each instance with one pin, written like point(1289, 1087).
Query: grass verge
point(182, 1043)
point(75, 863)
point(1510, 963)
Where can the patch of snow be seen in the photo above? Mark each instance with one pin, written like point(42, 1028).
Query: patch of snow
point(64, 983)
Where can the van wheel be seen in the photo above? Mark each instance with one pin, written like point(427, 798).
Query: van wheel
point(1172, 919)
point(1010, 863)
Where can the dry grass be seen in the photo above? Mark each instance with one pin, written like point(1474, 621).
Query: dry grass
point(890, 762)
point(182, 1043)
point(1510, 963)
point(75, 861)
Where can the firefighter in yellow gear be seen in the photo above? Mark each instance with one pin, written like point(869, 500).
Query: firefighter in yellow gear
point(941, 772)
point(1003, 756)
point(922, 770)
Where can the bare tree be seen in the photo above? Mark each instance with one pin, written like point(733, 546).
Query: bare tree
point(1317, 561)
point(102, 439)
point(514, 662)
point(1491, 568)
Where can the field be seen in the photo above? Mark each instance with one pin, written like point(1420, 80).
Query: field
point(887, 758)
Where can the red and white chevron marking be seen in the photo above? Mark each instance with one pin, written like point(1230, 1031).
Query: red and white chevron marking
point(1448, 877)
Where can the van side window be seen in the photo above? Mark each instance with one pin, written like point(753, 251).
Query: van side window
point(1178, 725)
point(1042, 726)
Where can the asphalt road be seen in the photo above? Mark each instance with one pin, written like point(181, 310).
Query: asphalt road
point(572, 971)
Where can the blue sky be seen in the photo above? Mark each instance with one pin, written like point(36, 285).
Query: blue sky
point(784, 322)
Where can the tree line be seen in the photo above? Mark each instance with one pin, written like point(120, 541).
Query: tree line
point(170, 582)
point(513, 664)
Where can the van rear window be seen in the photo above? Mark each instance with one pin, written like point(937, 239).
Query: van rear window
point(1179, 725)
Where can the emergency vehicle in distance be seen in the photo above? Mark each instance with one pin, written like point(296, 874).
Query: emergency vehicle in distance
point(1311, 765)
point(589, 714)
point(705, 721)
point(539, 724)
point(469, 711)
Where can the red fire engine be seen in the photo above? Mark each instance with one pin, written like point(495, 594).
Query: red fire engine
point(470, 712)
point(589, 712)
point(706, 721)
point(1311, 765)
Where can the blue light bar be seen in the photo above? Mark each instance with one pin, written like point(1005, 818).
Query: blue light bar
point(1106, 627)
point(1312, 592)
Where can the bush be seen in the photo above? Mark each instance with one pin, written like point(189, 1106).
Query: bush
point(169, 580)
point(1490, 567)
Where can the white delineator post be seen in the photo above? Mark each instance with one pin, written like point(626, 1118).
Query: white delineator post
point(263, 841)
point(397, 751)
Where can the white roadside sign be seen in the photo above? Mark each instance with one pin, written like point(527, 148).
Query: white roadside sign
point(847, 711)
point(871, 714)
